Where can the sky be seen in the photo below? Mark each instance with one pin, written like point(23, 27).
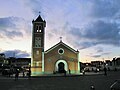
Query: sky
point(91, 26)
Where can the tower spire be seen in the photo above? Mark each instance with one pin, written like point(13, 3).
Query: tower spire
point(39, 19)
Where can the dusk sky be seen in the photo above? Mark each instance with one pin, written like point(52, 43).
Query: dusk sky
point(91, 26)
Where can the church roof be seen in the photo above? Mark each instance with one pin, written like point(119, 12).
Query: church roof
point(73, 50)
point(39, 19)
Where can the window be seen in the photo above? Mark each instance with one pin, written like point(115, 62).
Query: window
point(37, 52)
point(61, 51)
point(71, 59)
point(38, 28)
point(37, 63)
point(49, 60)
point(34, 63)
point(37, 41)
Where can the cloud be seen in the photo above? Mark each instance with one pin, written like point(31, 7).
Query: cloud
point(103, 32)
point(99, 49)
point(12, 27)
point(98, 55)
point(16, 53)
point(7, 22)
point(98, 32)
point(83, 24)
point(35, 6)
point(12, 34)
point(105, 8)
point(8, 27)
point(83, 44)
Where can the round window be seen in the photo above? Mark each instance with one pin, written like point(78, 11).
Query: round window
point(61, 51)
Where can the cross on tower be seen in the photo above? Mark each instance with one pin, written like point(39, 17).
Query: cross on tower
point(39, 12)
point(60, 39)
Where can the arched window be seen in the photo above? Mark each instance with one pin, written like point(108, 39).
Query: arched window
point(38, 28)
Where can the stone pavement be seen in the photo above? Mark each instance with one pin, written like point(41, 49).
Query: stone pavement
point(100, 82)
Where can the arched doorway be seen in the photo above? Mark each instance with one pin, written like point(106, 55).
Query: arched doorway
point(61, 67)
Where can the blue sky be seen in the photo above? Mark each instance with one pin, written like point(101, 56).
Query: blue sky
point(91, 26)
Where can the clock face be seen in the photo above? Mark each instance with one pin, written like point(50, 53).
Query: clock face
point(37, 42)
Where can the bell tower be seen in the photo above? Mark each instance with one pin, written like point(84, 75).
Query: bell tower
point(38, 32)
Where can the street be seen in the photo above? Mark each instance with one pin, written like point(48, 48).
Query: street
point(99, 81)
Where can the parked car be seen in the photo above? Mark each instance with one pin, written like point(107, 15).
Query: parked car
point(8, 71)
point(115, 85)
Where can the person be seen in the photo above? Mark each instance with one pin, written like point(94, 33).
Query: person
point(83, 72)
point(115, 69)
point(105, 71)
point(65, 73)
point(23, 73)
point(69, 71)
point(53, 72)
point(9, 72)
point(16, 74)
point(108, 68)
point(29, 74)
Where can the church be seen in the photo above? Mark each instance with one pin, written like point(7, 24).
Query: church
point(59, 58)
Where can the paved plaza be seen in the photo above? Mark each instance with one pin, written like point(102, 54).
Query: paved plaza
point(100, 82)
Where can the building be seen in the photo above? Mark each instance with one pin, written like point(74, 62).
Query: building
point(116, 61)
point(59, 58)
point(97, 63)
point(2, 59)
point(108, 62)
point(19, 62)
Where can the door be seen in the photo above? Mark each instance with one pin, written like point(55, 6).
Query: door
point(61, 67)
